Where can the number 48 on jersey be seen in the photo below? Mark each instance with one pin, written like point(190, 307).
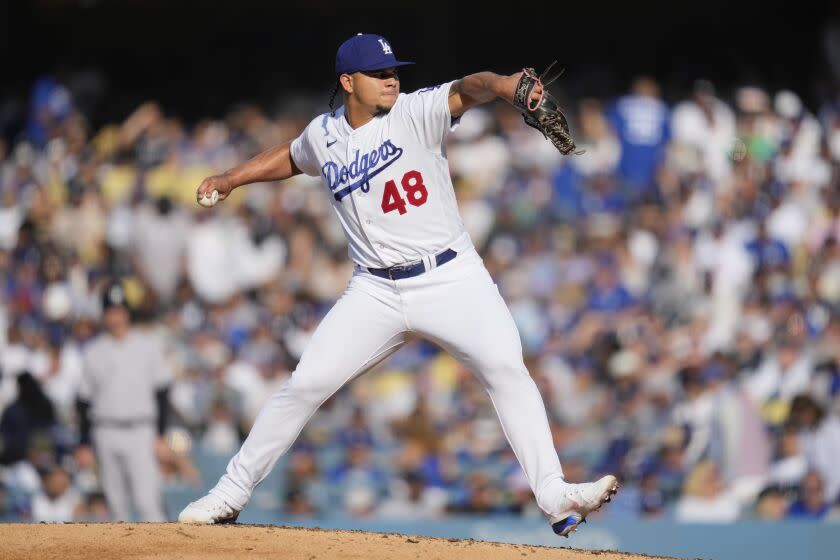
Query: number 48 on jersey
point(415, 192)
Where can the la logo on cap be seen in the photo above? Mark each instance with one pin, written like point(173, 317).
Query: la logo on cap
point(365, 52)
point(115, 294)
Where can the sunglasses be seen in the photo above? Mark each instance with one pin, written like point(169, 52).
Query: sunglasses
point(381, 74)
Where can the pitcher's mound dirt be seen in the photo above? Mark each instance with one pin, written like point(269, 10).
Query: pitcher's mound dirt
point(170, 541)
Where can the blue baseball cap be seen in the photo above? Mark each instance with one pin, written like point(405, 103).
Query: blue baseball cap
point(364, 52)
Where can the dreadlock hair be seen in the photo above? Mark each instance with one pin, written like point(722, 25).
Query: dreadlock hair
point(333, 93)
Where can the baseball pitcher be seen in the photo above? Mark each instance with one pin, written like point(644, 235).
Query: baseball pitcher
point(381, 160)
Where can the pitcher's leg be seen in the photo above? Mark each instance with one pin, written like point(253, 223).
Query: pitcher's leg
point(469, 319)
point(357, 333)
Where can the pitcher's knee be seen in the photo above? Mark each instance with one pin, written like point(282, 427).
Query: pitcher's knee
point(311, 389)
point(506, 372)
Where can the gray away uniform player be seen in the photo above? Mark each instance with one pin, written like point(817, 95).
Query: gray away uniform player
point(122, 406)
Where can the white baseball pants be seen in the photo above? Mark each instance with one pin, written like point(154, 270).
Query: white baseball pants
point(457, 306)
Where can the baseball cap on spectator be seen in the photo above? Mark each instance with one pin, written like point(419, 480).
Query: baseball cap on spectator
point(787, 104)
point(365, 52)
point(713, 371)
point(783, 294)
point(57, 301)
point(624, 363)
point(581, 364)
point(114, 296)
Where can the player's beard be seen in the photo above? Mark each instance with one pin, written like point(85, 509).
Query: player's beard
point(381, 111)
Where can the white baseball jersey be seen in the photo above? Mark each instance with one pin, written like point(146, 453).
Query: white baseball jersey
point(389, 179)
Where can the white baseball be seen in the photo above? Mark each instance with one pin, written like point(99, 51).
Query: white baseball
point(208, 201)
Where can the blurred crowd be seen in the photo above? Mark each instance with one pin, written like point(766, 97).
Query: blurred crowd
point(676, 288)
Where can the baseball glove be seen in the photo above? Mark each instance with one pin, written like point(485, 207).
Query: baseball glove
point(544, 112)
